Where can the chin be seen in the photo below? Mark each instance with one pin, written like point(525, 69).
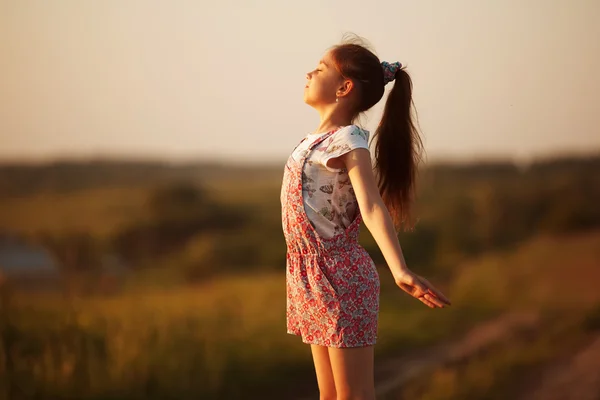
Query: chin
point(308, 100)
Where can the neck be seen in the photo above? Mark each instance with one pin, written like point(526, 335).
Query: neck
point(332, 117)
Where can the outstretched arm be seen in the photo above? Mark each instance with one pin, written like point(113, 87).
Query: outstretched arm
point(379, 222)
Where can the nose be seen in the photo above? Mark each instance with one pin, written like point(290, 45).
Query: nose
point(308, 75)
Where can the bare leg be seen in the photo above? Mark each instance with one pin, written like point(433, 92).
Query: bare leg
point(353, 372)
point(324, 372)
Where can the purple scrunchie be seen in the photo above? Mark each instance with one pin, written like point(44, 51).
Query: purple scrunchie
point(389, 71)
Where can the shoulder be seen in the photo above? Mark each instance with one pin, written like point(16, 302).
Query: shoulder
point(341, 142)
point(351, 132)
point(348, 137)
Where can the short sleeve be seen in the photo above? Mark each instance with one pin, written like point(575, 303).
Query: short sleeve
point(346, 139)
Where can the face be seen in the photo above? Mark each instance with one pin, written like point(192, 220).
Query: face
point(322, 83)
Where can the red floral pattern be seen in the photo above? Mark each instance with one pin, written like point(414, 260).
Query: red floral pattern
point(332, 283)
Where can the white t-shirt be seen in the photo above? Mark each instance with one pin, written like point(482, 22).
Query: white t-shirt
point(329, 199)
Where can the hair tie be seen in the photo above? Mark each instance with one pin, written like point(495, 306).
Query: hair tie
point(389, 71)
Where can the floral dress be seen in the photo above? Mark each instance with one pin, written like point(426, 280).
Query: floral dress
point(332, 283)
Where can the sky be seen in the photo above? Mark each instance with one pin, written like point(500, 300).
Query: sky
point(184, 80)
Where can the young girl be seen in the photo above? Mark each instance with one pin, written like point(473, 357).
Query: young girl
point(328, 189)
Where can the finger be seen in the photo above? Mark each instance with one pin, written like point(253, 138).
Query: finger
point(418, 291)
point(438, 295)
point(434, 300)
point(432, 290)
point(427, 302)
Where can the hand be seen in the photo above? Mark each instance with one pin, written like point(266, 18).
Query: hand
point(421, 289)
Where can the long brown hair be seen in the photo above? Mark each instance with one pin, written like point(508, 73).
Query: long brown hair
point(398, 148)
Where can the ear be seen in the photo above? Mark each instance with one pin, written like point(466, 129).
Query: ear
point(345, 88)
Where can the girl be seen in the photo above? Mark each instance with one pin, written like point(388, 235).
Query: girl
point(328, 189)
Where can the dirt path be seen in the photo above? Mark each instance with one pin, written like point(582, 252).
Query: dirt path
point(577, 378)
point(395, 371)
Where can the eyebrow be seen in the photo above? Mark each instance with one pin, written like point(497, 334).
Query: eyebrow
point(323, 62)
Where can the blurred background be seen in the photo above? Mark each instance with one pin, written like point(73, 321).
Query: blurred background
point(142, 146)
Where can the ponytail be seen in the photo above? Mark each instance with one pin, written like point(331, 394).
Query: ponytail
point(398, 145)
point(398, 151)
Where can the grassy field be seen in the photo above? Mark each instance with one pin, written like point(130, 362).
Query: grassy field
point(216, 340)
point(226, 338)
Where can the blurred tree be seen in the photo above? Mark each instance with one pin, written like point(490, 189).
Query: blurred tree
point(75, 252)
point(178, 212)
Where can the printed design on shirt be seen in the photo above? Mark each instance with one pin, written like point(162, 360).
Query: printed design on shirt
point(347, 205)
point(331, 201)
point(327, 213)
point(331, 215)
point(359, 132)
point(342, 200)
point(327, 188)
point(308, 184)
point(351, 208)
point(338, 148)
point(343, 181)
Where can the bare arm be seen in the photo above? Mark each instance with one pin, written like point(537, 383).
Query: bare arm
point(375, 213)
point(379, 222)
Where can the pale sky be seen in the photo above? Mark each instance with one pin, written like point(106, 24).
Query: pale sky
point(194, 80)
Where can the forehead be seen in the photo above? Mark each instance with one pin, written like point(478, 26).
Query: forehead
point(327, 59)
